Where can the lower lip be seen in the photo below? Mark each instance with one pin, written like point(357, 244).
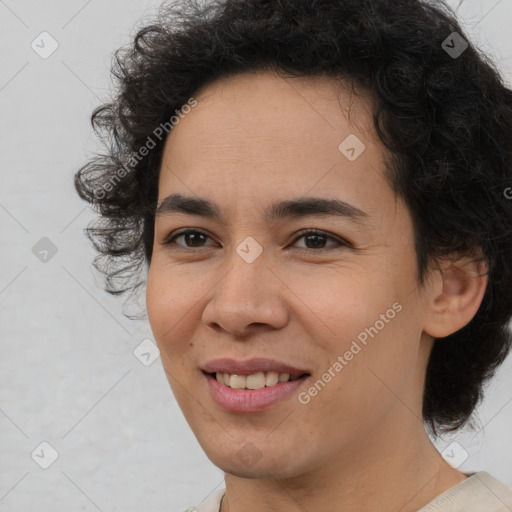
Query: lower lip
point(243, 400)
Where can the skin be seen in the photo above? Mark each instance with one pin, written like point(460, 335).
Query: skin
point(360, 442)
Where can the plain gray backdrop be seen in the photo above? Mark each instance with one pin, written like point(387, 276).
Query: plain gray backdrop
point(69, 371)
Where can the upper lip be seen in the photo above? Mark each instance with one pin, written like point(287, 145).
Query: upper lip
point(250, 366)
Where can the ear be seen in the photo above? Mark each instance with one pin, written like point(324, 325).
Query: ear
point(455, 293)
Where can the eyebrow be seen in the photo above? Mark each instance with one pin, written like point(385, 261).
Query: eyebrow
point(288, 209)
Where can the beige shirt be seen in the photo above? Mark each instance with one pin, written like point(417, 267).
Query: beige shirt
point(480, 492)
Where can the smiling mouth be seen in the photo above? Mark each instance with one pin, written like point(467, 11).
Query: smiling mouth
point(254, 381)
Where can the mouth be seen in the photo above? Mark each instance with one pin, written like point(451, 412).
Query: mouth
point(251, 385)
point(254, 381)
point(252, 393)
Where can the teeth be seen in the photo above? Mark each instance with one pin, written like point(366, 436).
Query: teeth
point(256, 380)
point(271, 379)
point(237, 382)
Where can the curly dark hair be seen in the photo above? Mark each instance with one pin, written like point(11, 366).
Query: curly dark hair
point(441, 109)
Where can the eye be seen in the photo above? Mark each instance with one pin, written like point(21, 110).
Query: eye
point(315, 237)
point(196, 237)
point(311, 236)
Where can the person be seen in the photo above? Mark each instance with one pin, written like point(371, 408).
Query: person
point(313, 195)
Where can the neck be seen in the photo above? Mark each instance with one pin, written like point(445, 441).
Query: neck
point(381, 472)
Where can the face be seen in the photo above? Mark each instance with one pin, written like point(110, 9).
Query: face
point(339, 309)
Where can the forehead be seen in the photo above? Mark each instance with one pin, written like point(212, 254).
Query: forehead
point(259, 134)
point(275, 109)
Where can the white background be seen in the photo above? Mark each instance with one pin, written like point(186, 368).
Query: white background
point(68, 375)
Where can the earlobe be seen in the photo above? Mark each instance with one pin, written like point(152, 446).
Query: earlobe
point(456, 295)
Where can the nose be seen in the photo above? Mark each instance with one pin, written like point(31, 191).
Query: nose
point(250, 296)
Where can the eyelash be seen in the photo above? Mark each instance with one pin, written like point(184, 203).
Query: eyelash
point(170, 240)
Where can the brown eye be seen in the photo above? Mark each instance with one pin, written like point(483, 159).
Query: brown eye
point(315, 240)
point(191, 236)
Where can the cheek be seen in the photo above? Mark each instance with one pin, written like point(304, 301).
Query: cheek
point(169, 309)
point(170, 299)
point(338, 303)
point(369, 320)
point(157, 298)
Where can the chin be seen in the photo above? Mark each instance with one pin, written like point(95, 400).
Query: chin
point(258, 467)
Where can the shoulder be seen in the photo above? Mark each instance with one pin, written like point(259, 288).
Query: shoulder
point(480, 492)
point(210, 504)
